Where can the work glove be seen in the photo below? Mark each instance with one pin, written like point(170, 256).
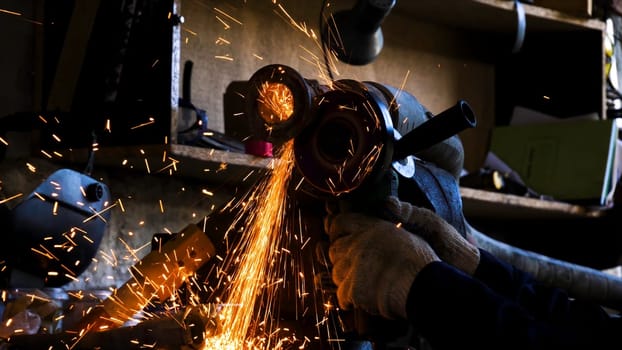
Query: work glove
point(374, 263)
point(448, 244)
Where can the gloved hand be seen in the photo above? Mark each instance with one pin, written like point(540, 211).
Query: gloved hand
point(374, 263)
point(450, 246)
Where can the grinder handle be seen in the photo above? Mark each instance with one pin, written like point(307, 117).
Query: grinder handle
point(436, 129)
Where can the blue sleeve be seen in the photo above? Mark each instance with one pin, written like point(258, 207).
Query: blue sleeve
point(502, 308)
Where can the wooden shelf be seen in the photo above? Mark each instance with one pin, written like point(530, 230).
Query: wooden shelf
point(493, 15)
point(204, 164)
point(486, 204)
point(218, 167)
point(209, 155)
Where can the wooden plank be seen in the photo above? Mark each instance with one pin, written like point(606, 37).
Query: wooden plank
point(494, 15)
point(487, 204)
point(219, 156)
point(549, 16)
point(582, 8)
point(206, 164)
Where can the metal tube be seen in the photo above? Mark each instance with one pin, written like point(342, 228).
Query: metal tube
point(273, 90)
point(438, 128)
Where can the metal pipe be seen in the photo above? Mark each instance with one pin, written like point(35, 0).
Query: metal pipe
point(279, 102)
point(438, 128)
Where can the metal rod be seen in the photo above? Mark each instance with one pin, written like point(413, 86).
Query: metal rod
point(436, 129)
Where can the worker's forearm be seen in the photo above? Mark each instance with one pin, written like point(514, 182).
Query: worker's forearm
point(537, 298)
point(503, 278)
point(453, 310)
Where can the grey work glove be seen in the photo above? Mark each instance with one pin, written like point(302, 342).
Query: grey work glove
point(450, 246)
point(374, 263)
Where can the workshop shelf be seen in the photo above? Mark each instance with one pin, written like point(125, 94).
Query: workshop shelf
point(471, 47)
point(481, 204)
point(495, 15)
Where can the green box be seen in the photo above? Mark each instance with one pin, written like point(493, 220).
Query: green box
point(570, 160)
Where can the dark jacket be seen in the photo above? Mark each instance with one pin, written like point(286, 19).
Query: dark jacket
point(501, 307)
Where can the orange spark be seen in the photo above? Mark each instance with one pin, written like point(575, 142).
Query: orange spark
point(224, 58)
point(222, 41)
point(227, 15)
point(2, 201)
point(300, 26)
point(190, 31)
point(10, 12)
point(149, 122)
point(263, 236)
point(225, 24)
point(275, 102)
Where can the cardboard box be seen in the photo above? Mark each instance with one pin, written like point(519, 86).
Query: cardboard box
point(570, 161)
